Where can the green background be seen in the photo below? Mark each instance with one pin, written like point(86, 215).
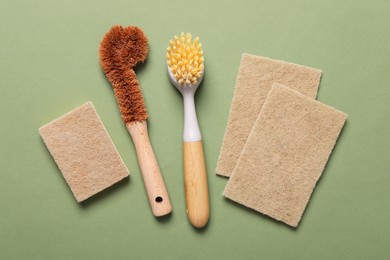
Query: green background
point(49, 66)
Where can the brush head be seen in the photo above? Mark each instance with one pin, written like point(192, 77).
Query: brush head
point(120, 50)
point(185, 60)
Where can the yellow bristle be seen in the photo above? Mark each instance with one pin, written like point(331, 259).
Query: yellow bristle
point(185, 58)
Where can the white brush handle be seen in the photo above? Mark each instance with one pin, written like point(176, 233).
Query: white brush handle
point(191, 127)
point(153, 180)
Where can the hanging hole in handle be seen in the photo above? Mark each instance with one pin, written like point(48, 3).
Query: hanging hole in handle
point(158, 199)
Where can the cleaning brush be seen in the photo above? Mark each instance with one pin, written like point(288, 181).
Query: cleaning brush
point(185, 65)
point(120, 50)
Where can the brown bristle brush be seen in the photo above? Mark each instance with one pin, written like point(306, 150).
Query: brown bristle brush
point(120, 50)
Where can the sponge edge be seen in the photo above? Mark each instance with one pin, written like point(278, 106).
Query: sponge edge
point(84, 151)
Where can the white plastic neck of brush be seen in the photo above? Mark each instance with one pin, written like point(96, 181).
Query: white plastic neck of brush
point(191, 126)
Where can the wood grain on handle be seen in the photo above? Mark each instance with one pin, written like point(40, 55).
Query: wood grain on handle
point(153, 180)
point(195, 184)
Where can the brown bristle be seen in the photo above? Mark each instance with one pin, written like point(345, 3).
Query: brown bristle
point(120, 50)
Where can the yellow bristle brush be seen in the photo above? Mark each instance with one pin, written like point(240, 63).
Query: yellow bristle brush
point(185, 65)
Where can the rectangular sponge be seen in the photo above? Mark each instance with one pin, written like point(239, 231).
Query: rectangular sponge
point(84, 152)
point(285, 154)
point(255, 78)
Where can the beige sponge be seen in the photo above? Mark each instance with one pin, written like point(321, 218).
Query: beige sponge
point(285, 155)
point(255, 78)
point(84, 152)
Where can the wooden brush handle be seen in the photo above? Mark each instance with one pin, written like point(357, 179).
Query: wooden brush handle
point(153, 180)
point(195, 184)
